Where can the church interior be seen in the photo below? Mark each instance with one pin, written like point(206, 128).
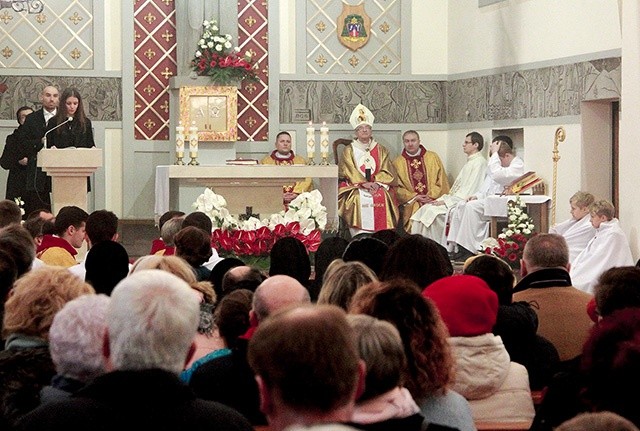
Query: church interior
point(442, 67)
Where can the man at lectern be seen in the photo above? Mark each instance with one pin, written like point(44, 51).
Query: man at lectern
point(38, 185)
point(283, 155)
point(72, 127)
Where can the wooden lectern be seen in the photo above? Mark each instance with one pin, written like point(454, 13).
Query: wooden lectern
point(69, 169)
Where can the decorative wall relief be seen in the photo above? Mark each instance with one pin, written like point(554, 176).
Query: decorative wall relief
point(325, 24)
point(536, 93)
point(102, 97)
point(390, 101)
point(51, 35)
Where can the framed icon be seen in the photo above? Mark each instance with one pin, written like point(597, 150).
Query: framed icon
point(214, 110)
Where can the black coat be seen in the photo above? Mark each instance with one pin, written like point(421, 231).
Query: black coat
point(70, 135)
point(30, 134)
point(13, 152)
point(135, 400)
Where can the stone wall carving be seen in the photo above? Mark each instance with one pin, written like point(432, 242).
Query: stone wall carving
point(102, 97)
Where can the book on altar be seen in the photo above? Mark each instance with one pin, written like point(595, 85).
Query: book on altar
point(242, 162)
point(522, 184)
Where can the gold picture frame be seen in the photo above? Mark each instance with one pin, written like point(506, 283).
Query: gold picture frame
point(214, 110)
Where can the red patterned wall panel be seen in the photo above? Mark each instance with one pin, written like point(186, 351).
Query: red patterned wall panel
point(253, 98)
point(154, 63)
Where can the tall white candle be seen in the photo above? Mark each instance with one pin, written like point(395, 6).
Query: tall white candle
point(324, 140)
point(180, 139)
point(311, 141)
point(193, 140)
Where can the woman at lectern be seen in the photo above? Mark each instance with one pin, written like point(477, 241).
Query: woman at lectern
point(70, 127)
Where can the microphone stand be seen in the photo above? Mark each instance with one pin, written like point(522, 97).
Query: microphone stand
point(44, 138)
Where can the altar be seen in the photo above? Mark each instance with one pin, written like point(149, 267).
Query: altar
point(256, 186)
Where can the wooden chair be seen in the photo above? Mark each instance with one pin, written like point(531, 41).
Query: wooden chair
point(336, 152)
point(502, 426)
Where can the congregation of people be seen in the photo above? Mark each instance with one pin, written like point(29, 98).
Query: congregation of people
point(378, 330)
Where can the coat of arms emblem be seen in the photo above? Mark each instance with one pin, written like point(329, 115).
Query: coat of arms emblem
point(354, 26)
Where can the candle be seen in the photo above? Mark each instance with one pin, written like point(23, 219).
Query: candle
point(180, 139)
point(324, 140)
point(311, 141)
point(193, 140)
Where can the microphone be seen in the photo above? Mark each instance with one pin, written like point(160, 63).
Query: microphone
point(44, 138)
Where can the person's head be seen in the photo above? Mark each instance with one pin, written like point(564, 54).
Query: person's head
point(38, 227)
point(16, 240)
point(106, 265)
point(367, 250)
point(503, 138)
point(49, 98)
point(283, 143)
point(289, 257)
point(496, 273)
point(200, 220)
point(364, 133)
point(42, 213)
point(617, 288)
point(424, 335)
point(151, 323)
point(275, 293)
point(328, 251)
point(37, 297)
point(597, 421)
point(580, 203)
point(168, 216)
point(102, 225)
point(380, 347)
point(193, 245)
point(22, 113)
point(76, 336)
point(232, 315)
point(70, 225)
point(411, 142)
point(9, 213)
point(545, 250)
point(473, 143)
point(71, 105)
point(388, 236)
point(170, 229)
point(220, 269)
point(466, 303)
point(506, 154)
point(342, 281)
point(179, 267)
point(601, 211)
point(242, 277)
point(293, 377)
point(417, 258)
point(611, 364)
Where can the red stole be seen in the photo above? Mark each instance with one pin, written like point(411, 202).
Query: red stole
point(379, 198)
point(280, 160)
point(417, 171)
point(49, 241)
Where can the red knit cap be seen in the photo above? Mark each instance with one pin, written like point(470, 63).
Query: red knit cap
point(466, 303)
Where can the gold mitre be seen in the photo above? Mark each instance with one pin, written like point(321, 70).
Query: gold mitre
point(361, 115)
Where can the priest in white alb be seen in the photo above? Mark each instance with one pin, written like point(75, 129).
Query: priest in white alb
point(430, 220)
point(577, 230)
point(468, 226)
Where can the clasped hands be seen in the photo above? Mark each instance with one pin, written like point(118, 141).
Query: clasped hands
point(371, 187)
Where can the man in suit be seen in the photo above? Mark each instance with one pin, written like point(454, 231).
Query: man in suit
point(38, 185)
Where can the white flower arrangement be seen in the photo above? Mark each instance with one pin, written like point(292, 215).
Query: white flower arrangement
point(20, 204)
point(519, 221)
point(306, 209)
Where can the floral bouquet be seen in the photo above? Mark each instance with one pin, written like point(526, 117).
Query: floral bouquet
point(216, 57)
point(510, 243)
point(305, 220)
point(20, 204)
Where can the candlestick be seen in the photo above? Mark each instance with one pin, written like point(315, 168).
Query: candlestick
point(324, 143)
point(311, 144)
point(193, 144)
point(179, 143)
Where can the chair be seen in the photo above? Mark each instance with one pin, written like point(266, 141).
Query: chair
point(336, 153)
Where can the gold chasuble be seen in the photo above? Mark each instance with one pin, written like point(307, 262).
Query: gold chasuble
point(357, 207)
point(422, 174)
point(300, 186)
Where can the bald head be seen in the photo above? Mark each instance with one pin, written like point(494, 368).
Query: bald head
point(277, 292)
point(49, 98)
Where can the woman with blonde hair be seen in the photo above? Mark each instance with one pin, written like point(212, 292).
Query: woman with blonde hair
point(26, 365)
point(342, 280)
point(206, 340)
